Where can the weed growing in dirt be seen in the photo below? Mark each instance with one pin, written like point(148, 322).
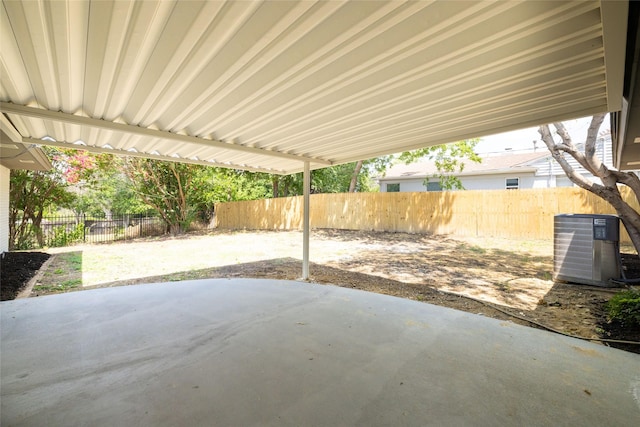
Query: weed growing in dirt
point(504, 286)
point(472, 248)
point(625, 307)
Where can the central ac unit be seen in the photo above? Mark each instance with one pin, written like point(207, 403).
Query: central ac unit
point(585, 248)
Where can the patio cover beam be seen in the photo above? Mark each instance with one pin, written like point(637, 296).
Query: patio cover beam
point(59, 116)
point(118, 152)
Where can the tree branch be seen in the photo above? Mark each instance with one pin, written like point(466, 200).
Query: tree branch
point(590, 145)
point(556, 149)
point(564, 134)
point(629, 179)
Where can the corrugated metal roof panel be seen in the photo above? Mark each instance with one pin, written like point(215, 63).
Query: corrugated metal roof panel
point(328, 82)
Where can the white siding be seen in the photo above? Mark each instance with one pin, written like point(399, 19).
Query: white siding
point(4, 209)
point(544, 181)
point(411, 185)
point(484, 182)
point(563, 181)
point(496, 182)
point(473, 182)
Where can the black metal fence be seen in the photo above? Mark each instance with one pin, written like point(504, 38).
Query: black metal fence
point(65, 230)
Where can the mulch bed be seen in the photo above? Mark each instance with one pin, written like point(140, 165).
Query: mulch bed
point(16, 269)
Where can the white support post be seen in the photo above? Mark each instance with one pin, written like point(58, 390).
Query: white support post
point(305, 221)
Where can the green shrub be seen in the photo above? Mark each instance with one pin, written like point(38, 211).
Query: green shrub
point(63, 237)
point(625, 307)
point(25, 243)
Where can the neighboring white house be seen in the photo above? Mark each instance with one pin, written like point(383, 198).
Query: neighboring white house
point(505, 171)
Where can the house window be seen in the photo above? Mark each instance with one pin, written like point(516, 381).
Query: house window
point(434, 186)
point(513, 183)
point(393, 188)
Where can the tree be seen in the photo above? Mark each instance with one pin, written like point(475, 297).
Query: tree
point(347, 177)
point(212, 185)
point(286, 185)
point(164, 186)
point(371, 167)
point(354, 176)
point(608, 188)
point(357, 176)
point(79, 180)
point(448, 158)
point(179, 192)
point(31, 193)
point(107, 192)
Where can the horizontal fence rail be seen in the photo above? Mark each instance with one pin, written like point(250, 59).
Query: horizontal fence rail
point(526, 214)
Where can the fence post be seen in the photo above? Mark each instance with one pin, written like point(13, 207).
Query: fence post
point(84, 227)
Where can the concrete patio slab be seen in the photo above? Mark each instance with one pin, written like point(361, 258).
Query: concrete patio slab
point(277, 353)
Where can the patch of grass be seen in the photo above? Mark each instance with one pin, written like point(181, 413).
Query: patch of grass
point(472, 248)
point(63, 274)
point(62, 287)
point(174, 277)
point(73, 283)
point(73, 259)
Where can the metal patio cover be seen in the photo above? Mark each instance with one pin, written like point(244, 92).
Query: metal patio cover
point(270, 86)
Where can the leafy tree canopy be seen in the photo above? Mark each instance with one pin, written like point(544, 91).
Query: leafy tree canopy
point(33, 192)
point(449, 159)
point(180, 191)
point(348, 177)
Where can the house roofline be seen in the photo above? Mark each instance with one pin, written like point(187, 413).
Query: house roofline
point(505, 171)
point(16, 155)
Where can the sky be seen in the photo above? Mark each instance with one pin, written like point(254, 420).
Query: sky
point(522, 140)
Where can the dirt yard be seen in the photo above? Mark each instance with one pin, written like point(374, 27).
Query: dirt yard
point(499, 278)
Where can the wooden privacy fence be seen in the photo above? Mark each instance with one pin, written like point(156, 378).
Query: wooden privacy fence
point(526, 214)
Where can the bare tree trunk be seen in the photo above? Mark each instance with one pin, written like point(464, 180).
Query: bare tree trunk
point(608, 189)
point(37, 228)
point(354, 177)
point(275, 180)
point(182, 216)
